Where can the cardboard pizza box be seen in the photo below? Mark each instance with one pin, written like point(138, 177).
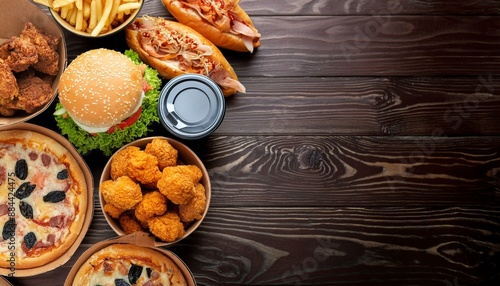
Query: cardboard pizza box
point(138, 238)
point(88, 214)
point(13, 16)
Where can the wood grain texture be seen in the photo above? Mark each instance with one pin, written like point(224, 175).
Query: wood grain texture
point(339, 246)
point(368, 46)
point(372, 7)
point(353, 171)
point(365, 106)
point(365, 152)
point(326, 46)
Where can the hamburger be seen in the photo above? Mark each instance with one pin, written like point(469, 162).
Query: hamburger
point(106, 99)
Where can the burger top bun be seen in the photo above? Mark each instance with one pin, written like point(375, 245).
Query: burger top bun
point(101, 88)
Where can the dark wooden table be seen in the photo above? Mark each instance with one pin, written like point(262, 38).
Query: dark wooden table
point(365, 152)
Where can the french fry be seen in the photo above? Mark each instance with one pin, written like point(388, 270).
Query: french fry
point(114, 10)
point(93, 16)
point(79, 4)
point(99, 10)
point(105, 14)
point(60, 3)
point(86, 10)
point(79, 20)
point(129, 6)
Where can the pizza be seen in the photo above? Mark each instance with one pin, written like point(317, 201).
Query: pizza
point(43, 199)
point(123, 264)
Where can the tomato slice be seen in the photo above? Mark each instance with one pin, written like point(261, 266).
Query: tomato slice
point(127, 122)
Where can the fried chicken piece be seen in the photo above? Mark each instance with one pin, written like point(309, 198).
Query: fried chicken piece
point(120, 161)
point(34, 92)
point(152, 204)
point(176, 186)
point(191, 171)
point(167, 227)
point(163, 151)
point(9, 89)
point(46, 47)
point(123, 193)
point(20, 54)
point(194, 209)
point(4, 50)
point(143, 168)
point(128, 223)
point(113, 211)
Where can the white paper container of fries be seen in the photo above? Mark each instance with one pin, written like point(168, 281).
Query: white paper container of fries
point(94, 18)
point(13, 16)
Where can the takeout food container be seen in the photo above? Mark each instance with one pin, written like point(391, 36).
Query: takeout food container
point(88, 213)
point(140, 239)
point(66, 25)
point(4, 282)
point(186, 156)
point(13, 16)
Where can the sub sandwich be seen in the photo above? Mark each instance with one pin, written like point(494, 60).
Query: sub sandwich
point(223, 22)
point(173, 49)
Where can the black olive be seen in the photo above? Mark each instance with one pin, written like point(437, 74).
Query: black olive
point(134, 273)
point(21, 169)
point(54, 197)
point(30, 240)
point(24, 190)
point(9, 229)
point(63, 175)
point(121, 282)
point(26, 210)
point(148, 272)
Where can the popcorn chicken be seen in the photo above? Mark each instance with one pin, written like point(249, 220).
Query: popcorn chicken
point(113, 211)
point(143, 168)
point(194, 209)
point(129, 224)
point(123, 193)
point(177, 187)
point(163, 151)
point(167, 227)
point(152, 204)
point(120, 161)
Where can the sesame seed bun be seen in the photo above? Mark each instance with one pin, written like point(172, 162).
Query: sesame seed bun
point(101, 88)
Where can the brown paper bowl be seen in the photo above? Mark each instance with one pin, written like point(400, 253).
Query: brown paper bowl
point(4, 282)
point(66, 25)
point(139, 239)
point(187, 157)
point(88, 213)
point(13, 16)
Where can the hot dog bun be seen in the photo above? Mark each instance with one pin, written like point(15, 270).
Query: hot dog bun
point(173, 49)
point(229, 27)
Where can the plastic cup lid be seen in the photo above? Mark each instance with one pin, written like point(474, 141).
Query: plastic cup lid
point(191, 106)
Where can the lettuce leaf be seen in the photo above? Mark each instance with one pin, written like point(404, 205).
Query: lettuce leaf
point(108, 143)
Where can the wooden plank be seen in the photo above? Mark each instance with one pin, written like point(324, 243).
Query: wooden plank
point(334, 246)
point(381, 246)
point(396, 7)
point(360, 46)
point(352, 171)
point(369, 46)
point(365, 106)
